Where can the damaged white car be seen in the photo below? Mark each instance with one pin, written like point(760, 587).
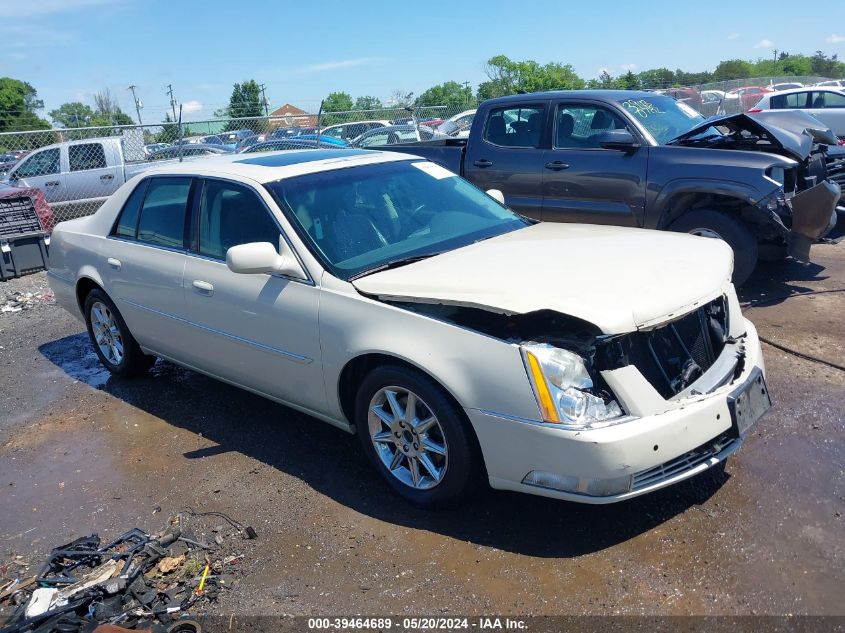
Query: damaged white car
point(389, 297)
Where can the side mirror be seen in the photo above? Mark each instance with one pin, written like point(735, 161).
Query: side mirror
point(262, 258)
point(496, 195)
point(618, 139)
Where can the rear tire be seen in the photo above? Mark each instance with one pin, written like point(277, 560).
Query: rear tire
point(407, 448)
point(115, 346)
point(735, 232)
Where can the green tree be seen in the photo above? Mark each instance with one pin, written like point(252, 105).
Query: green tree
point(656, 78)
point(18, 104)
point(507, 76)
point(337, 102)
point(733, 69)
point(72, 114)
point(629, 81)
point(169, 131)
point(367, 103)
point(825, 66)
point(245, 102)
point(450, 94)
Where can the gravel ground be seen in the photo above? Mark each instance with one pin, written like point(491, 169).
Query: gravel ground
point(82, 452)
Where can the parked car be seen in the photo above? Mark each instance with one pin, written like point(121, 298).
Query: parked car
point(713, 102)
point(76, 175)
point(149, 148)
point(641, 159)
point(291, 143)
point(826, 104)
point(834, 83)
point(349, 131)
point(191, 150)
point(394, 134)
point(690, 96)
point(287, 132)
point(233, 139)
point(789, 85)
point(386, 296)
point(337, 142)
point(458, 125)
point(748, 95)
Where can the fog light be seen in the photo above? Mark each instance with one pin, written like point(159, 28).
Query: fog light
point(568, 483)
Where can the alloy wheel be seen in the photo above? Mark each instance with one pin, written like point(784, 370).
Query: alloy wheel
point(702, 232)
point(106, 333)
point(408, 438)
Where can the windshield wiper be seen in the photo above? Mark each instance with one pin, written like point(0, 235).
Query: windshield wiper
point(393, 263)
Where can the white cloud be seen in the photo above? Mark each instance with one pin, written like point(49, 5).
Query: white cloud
point(627, 67)
point(343, 63)
point(733, 36)
point(764, 43)
point(189, 107)
point(835, 39)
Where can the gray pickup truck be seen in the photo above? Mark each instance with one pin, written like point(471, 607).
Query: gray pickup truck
point(645, 160)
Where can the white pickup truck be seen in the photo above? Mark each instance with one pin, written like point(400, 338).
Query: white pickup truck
point(77, 176)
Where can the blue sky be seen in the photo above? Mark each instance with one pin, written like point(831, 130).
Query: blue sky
point(302, 50)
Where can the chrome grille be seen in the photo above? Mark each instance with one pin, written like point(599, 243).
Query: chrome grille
point(682, 464)
point(18, 217)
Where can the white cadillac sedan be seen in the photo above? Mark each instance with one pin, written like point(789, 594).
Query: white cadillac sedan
point(461, 342)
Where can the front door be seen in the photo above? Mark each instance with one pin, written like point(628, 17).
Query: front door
point(583, 182)
point(42, 170)
point(258, 330)
point(508, 156)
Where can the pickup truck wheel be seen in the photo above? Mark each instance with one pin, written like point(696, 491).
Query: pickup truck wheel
point(735, 232)
point(116, 348)
point(416, 437)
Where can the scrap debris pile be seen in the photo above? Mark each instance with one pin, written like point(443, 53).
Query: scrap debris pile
point(138, 581)
point(18, 301)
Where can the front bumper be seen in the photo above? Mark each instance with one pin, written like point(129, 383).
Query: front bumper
point(813, 216)
point(650, 452)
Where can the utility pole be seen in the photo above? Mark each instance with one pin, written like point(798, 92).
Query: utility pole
point(775, 62)
point(172, 100)
point(137, 103)
point(264, 99)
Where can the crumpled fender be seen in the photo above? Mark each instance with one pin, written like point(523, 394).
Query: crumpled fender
point(811, 215)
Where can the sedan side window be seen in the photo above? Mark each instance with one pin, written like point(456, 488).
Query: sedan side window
point(127, 223)
point(834, 100)
point(794, 100)
point(163, 212)
point(232, 214)
point(41, 164)
point(580, 126)
point(515, 126)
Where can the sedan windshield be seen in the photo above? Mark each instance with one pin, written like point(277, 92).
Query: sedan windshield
point(362, 219)
point(662, 116)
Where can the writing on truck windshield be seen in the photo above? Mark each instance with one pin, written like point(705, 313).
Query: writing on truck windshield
point(662, 116)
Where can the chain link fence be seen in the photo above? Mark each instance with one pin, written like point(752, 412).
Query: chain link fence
point(76, 169)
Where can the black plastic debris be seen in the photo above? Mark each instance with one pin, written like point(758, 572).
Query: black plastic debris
point(138, 581)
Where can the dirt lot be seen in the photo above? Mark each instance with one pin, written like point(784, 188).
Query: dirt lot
point(82, 452)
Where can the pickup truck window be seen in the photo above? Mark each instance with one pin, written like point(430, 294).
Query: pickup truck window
point(87, 156)
point(163, 212)
point(41, 164)
point(230, 215)
point(579, 126)
point(127, 222)
point(359, 219)
point(514, 126)
point(662, 116)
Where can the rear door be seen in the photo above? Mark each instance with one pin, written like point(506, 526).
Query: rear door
point(257, 330)
point(43, 170)
point(829, 107)
point(90, 173)
point(508, 155)
point(144, 261)
point(583, 182)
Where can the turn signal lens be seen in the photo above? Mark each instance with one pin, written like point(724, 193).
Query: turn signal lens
point(547, 405)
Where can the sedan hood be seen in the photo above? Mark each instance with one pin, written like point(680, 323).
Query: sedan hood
point(788, 132)
point(617, 278)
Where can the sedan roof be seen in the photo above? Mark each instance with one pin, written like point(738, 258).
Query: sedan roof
point(272, 166)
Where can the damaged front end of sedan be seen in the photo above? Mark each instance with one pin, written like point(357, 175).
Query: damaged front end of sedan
point(801, 207)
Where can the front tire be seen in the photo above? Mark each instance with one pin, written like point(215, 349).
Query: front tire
point(416, 437)
point(737, 234)
point(115, 346)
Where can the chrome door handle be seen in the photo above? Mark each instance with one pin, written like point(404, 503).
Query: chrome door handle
point(52, 183)
point(106, 177)
point(557, 165)
point(114, 263)
point(203, 287)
